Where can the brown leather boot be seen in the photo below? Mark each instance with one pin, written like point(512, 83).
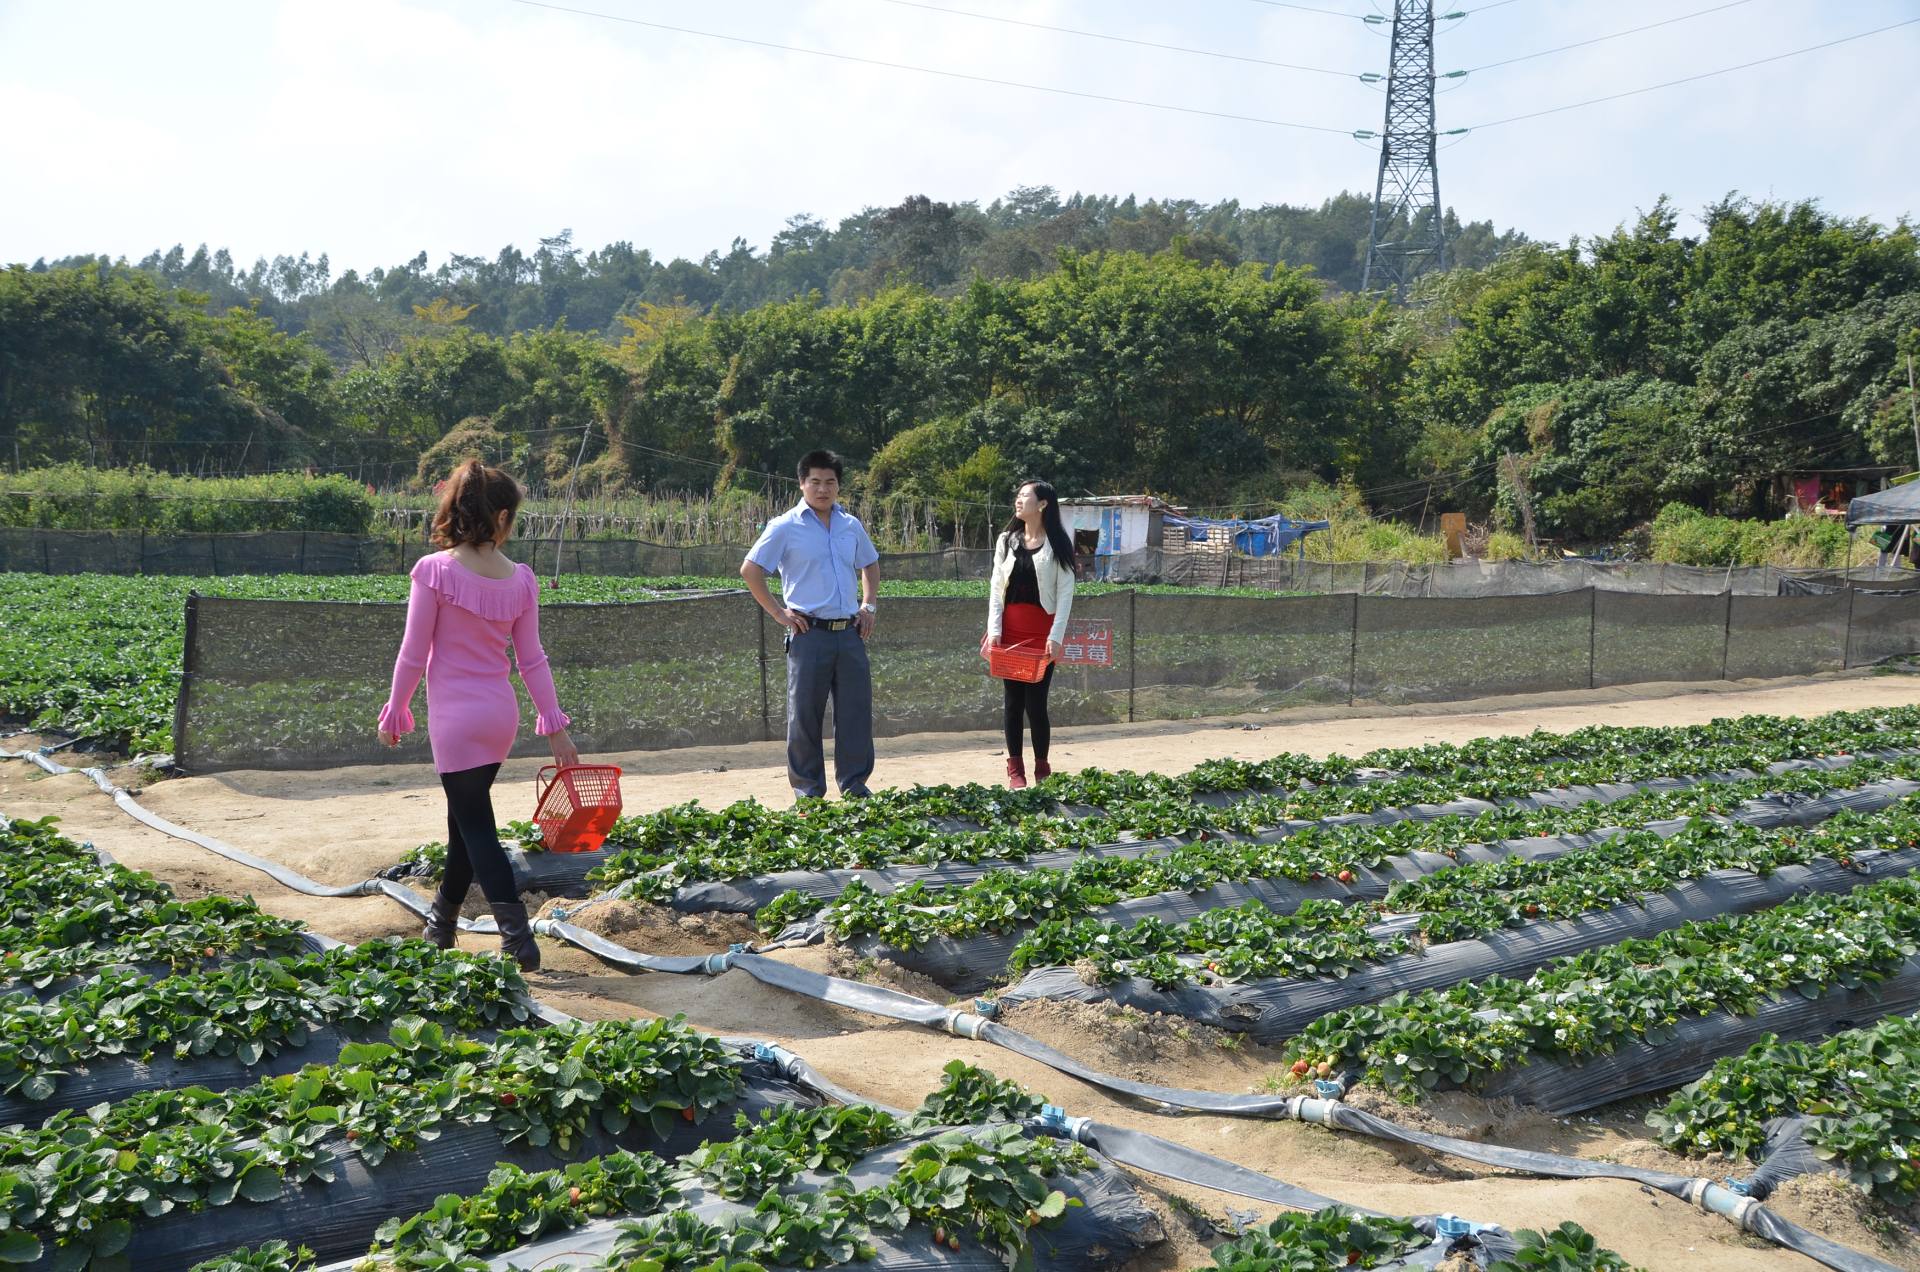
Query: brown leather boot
point(443, 921)
point(516, 935)
point(1016, 773)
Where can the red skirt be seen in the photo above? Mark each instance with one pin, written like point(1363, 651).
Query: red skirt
point(1022, 624)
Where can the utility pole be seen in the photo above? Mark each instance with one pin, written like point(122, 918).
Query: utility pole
point(1913, 408)
point(1406, 236)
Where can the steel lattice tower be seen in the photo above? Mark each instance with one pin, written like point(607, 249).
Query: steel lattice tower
point(1406, 236)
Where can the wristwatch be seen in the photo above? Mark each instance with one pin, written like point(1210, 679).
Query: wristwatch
point(868, 607)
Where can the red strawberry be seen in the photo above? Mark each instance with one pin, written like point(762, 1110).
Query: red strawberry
point(1346, 876)
point(508, 1099)
point(1300, 1068)
point(687, 1113)
point(573, 1195)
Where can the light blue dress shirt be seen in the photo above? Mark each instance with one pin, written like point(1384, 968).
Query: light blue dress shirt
point(816, 562)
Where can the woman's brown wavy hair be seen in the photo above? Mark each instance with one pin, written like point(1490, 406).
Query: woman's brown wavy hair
point(471, 505)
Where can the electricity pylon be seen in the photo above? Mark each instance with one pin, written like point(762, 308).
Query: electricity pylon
point(1406, 236)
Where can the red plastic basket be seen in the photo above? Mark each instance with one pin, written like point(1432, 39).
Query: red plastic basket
point(1017, 662)
point(575, 807)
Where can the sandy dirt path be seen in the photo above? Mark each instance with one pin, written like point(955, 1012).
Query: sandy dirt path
point(341, 825)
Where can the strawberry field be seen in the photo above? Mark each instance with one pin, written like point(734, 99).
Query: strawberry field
point(1565, 920)
point(450, 1121)
point(1708, 932)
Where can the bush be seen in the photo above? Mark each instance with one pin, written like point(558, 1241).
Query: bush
point(74, 497)
point(1683, 535)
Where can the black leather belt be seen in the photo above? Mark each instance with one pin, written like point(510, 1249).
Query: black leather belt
point(828, 624)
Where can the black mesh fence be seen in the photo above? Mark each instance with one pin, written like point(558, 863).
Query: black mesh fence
point(1640, 638)
point(299, 684)
point(1437, 650)
point(1218, 655)
point(1882, 627)
point(1785, 635)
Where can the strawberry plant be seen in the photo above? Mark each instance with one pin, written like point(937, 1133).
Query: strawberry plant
point(251, 1009)
point(988, 1184)
point(1326, 1239)
point(1857, 1088)
point(78, 1182)
point(1598, 1001)
point(661, 852)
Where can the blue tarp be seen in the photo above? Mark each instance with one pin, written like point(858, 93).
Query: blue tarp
point(1265, 536)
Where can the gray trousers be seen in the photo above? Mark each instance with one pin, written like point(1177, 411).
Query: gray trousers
point(822, 665)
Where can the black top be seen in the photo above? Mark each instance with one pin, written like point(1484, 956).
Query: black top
point(1023, 585)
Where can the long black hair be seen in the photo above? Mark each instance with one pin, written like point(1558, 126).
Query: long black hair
point(1056, 529)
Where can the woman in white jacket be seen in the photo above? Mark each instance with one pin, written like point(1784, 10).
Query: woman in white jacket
point(1028, 602)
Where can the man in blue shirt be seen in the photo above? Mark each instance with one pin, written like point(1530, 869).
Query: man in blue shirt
point(816, 549)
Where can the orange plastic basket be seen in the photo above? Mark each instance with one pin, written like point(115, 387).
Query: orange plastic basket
point(1018, 662)
point(575, 807)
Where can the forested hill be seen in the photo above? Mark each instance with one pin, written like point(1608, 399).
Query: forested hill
point(936, 246)
point(1617, 374)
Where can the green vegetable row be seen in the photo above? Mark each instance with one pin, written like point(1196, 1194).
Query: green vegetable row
point(1459, 903)
point(1856, 1087)
point(251, 1009)
point(1593, 1003)
point(664, 851)
point(1338, 1238)
point(1002, 900)
point(75, 1186)
point(991, 1188)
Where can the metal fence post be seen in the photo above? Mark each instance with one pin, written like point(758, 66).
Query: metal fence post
point(1353, 652)
point(1846, 645)
point(766, 716)
point(1726, 636)
point(186, 680)
point(1133, 656)
point(1593, 627)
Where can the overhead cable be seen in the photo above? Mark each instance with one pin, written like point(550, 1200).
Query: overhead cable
point(966, 76)
point(1123, 39)
point(1691, 79)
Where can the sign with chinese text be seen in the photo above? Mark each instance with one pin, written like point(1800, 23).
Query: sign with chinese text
point(1089, 642)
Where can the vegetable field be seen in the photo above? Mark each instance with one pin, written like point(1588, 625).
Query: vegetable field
point(452, 1122)
point(1719, 913)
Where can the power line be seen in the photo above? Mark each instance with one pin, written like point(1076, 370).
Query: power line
point(1690, 79)
point(928, 70)
point(1307, 8)
point(1601, 39)
point(1122, 39)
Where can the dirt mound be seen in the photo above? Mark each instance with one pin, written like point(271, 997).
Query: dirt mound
point(1147, 1046)
point(1834, 1208)
point(839, 961)
point(647, 928)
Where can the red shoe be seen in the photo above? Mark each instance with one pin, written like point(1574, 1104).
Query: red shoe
point(1016, 773)
point(1042, 770)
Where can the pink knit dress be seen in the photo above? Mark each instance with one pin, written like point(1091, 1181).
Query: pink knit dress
point(458, 627)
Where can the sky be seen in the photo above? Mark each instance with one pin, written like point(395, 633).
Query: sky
point(372, 130)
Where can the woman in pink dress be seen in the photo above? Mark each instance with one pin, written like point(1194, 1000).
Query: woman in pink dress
point(466, 605)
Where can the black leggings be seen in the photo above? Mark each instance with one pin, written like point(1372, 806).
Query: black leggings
point(473, 840)
point(1029, 700)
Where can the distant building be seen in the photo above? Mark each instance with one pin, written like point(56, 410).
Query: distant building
point(1826, 492)
point(1107, 526)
